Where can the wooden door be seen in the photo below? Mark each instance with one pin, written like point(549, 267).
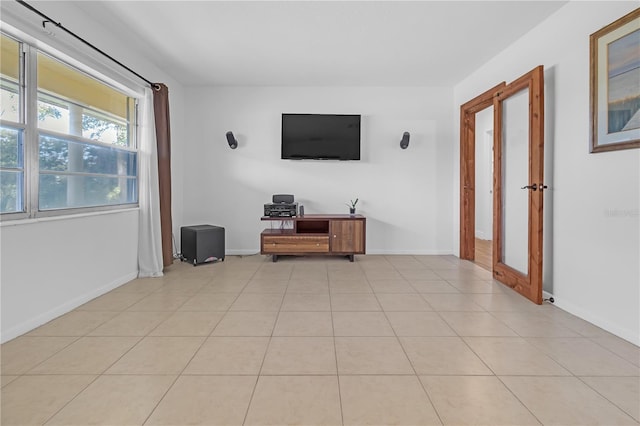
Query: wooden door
point(346, 236)
point(519, 184)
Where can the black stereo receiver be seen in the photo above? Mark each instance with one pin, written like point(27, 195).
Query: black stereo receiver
point(281, 209)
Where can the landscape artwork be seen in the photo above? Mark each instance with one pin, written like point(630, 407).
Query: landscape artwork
point(615, 85)
point(623, 100)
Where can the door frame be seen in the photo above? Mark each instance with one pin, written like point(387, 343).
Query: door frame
point(468, 112)
point(529, 285)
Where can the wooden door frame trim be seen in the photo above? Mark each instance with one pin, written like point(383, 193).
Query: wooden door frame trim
point(468, 112)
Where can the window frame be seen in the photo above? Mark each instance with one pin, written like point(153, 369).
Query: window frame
point(28, 114)
point(23, 70)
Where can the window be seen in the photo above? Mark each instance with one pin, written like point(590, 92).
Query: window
point(79, 131)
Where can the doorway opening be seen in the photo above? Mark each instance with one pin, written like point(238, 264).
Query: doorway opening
point(476, 178)
point(483, 255)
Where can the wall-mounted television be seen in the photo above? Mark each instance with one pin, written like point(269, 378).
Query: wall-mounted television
point(320, 137)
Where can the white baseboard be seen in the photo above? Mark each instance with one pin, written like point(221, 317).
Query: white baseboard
point(622, 332)
point(245, 252)
point(45, 317)
point(241, 252)
point(410, 252)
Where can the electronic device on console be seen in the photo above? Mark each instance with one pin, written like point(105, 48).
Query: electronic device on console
point(281, 210)
point(282, 206)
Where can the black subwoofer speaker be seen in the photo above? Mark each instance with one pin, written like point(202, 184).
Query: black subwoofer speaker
point(202, 243)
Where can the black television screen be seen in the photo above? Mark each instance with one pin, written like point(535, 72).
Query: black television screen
point(320, 136)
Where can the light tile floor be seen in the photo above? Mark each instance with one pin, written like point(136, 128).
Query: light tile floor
point(385, 340)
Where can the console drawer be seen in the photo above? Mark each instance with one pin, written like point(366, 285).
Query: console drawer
point(295, 244)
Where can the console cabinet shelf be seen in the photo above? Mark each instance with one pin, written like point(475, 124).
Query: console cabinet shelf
point(317, 234)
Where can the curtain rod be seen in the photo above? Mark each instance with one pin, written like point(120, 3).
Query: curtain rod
point(154, 86)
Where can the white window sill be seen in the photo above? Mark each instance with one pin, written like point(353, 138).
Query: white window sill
point(31, 221)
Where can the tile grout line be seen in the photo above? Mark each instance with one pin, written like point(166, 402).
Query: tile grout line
point(415, 373)
point(335, 349)
point(180, 374)
point(498, 377)
point(264, 356)
point(96, 378)
point(493, 314)
point(204, 339)
point(580, 378)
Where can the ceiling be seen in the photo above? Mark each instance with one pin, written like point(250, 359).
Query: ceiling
point(320, 43)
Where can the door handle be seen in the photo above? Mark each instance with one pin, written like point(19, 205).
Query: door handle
point(533, 187)
point(542, 187)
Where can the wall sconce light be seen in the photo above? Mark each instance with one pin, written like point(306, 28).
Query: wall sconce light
point(231, 140)
point(404, 142)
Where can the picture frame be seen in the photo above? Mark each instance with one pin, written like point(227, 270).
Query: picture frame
point(614, 63)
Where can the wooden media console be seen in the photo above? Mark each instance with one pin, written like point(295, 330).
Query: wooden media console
point(315, 234)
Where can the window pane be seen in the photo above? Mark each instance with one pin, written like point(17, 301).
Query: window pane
point(9, 102)
point(11, 170)
point(73, 103)
point(60, 155)
point(75, 174)
point(11, 150)
point(9, 77)
point(65, 191)
point(53, 116)
point(104, 129)
point(11, 184)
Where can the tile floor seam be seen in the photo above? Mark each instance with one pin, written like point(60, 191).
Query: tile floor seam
point(563, 365)
point(590, 338)
point(415, 373)
point(609, 349)
point(50, 356)
point(173, 382)
point(505, 323)
point(519, 400)
point(97, 376)
point(335, 352)
point(264, 357)
point(228, 309)
point(193, 356)
point(140, 338)
point(464, 341)
point(580, 378)
point(75, 335)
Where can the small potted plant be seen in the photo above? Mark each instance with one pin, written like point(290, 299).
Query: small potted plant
point(352, 206)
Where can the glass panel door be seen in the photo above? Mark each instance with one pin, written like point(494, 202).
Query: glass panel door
point(515, 175)
point(518, 184)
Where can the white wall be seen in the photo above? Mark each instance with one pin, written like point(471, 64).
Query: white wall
point(406, 195)
point(592, 227)
point(51, 266)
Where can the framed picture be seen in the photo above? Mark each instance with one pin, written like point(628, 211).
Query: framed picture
point(615, 85)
